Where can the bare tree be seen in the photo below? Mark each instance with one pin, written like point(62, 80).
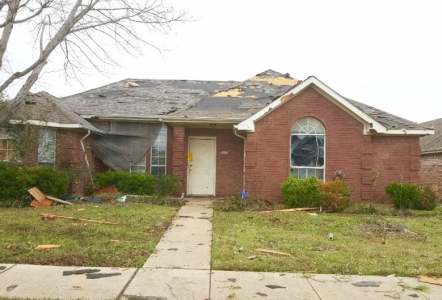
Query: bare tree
point(85, 31)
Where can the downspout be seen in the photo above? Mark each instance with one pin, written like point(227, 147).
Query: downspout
point(85, 155)
point(244, 163)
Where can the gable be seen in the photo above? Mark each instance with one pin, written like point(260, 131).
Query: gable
point(366, 115)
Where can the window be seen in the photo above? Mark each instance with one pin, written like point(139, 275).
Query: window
point(46, 147)
point(308, 148)
point(140, 166)
point(158, 153)
point(6, 150)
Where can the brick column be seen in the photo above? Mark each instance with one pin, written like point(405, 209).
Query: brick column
point(178, 166)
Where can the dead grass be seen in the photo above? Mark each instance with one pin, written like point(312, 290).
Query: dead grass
point(354, 250)
point(128, 244)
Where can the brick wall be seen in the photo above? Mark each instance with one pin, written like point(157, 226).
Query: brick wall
point(431, 170)
point(347, 149)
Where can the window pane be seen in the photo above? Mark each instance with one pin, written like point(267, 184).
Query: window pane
point(158, 171)
point(46, 147)
point(302, 173)
point(320, 173)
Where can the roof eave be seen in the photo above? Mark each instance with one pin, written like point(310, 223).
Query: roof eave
point(56, 125)
point(420, 132)
point(202, 120)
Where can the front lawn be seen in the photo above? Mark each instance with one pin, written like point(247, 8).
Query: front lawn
point(127, 244)
point(362, 244)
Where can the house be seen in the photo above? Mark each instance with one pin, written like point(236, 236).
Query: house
point(431, 157)
point(55, 137)
point(220, 137)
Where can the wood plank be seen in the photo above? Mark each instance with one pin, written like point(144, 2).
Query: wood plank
point(292, 209)
point(37, 194)
point(44, 203)
point(273, 252)
point(431, 280)
point(79, 220)
point(59, 200)
point(39, 247)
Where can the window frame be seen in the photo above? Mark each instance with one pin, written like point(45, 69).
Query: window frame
point(47, 145)
point(306, 131)
point(161, 144)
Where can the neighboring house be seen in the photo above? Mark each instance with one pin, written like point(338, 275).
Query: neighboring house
point(55, 136)
point(431, 157)
point(220, 137)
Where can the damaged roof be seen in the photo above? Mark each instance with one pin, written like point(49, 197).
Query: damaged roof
point(390, 121)
point(432, 143)
point(143, 97)
point(194, 100)
point(43, 107)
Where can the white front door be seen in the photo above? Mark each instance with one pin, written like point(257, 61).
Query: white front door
point(201, 160)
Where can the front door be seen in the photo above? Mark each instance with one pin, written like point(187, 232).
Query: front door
point(201, 166)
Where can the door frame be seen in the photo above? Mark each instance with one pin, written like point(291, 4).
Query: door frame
point(214, 163)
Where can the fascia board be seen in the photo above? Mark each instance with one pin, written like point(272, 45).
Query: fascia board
point(371, 124)
point(47, 124)
point(422, 132)
point(201, 120)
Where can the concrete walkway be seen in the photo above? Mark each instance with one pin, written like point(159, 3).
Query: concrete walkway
point(180, 269)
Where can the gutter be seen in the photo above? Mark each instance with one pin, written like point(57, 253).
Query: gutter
point(244, 163)
point(85, 155)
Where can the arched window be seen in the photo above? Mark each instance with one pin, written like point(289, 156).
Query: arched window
point(308, 148)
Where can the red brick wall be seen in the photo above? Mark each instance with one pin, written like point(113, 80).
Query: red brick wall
point(431, 170)
point(347, 149)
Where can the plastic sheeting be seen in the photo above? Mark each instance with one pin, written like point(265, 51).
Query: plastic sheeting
point(125, 143)
point(307, 151)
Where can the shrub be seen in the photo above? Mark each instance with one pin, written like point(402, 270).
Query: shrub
point(335, 195)
point(167, 185)
point(412, 196)
point(16, 180)
point(139, 184)
point(428, 198)
point(301, 192)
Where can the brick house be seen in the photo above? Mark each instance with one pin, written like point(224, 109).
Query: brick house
point(221, 137)
point(431, 157)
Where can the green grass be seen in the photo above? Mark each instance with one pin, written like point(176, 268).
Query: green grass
point(83, 244)
point(236, 235)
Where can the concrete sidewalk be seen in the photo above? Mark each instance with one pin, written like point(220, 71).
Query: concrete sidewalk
point(180, 269)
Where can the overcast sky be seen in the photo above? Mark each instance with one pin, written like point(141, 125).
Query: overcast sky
point(387, 54)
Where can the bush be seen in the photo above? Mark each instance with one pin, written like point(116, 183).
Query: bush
point(139, 184)
point(335, 195)
point(412, 196)
point(403, 195)
point(428, 198)
point(16, 180)
point(301, 192)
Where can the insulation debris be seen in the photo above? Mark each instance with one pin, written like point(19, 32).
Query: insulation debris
point(235, 92)
point(280, 80)
point(131, 84)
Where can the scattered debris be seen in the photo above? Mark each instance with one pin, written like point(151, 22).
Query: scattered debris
point(100, 275)
point(92, 199)
point(122, 199)
point(413, 295)
point(186, 217)
point(272, 286)
point(261, 294)
point(232, 297)
point(391, 275)
point(330, 236)
point(292, 209)
point(162, 224)
point(115, 241)
point(2, 268)
point(81, 209)
point(231, 279)
point(272, 251)
point(173, 249)
point(252, 257)
point(47, 217)
point(431, 280)
point(366, 284)
point(131, 84)
point(134, 297)
point(40, 247)
point(76, 219)
point(81, 271)
point(76, 287)
point(11, 287)
point(41, 199)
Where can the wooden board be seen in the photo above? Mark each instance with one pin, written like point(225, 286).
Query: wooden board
point(37, 194)
point(79, 220)
point(39, 247)
point(431, 280)
point(58, 200)
point(273, 252)
point(292, 209)
point(44, 203)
